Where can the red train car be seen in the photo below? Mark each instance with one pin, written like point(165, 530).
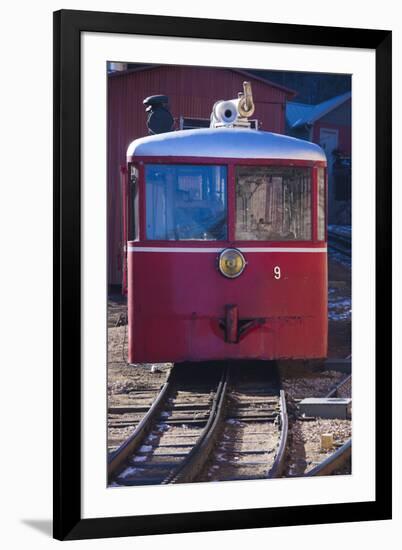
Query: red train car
point(226, 244)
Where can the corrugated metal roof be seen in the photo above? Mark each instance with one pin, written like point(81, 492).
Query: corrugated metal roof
point(243, 72)
point(299, 114)
point(225, 143)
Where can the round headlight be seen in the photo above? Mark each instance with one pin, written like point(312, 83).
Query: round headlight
point(231, 263)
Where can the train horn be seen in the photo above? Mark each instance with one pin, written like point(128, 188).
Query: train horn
point(246, 105)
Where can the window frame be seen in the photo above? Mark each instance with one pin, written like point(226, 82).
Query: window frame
point(231, 164)
point(309, 172)
point(224, 170)
point(325, 206)
point(133, 207)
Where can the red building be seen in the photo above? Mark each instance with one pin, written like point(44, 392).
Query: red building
point(329, 124)
point(192, 92)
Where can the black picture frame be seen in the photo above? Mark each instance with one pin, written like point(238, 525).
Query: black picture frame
point(68, 27)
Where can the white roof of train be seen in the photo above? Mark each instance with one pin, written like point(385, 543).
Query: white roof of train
point(225, 143)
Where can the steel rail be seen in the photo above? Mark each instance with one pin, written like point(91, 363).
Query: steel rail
point(334, 391)
point(279, 462)
point(340, 243)
point(193, 463)
point(333, 462)
point(118, 457)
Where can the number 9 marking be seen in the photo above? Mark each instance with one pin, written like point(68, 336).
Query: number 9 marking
point(277, 272)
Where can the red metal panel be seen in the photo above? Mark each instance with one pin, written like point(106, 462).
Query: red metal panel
point(314, 203)
point(326, 204)
point(231, 201)
point(177, 309)
point(125, 221)
point(192, 92)
point(141, 213)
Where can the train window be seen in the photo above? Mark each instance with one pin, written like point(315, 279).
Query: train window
point(185, 202)
point(273, 203)
point(321, 204)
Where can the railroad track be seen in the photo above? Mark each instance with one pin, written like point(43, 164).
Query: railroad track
point(200, 411)
point(253, 433)
point(336, 461)
point(343, 389)
point(173, 428)
point(340, 243)
point(342, 456)
point(124, 417)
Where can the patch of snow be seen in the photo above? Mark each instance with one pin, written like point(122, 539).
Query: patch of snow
point(346, 261)
point(145, 448)
point(130, 471)
point(343, 230)
point(139, 458)
point(339, 309)
point(163, 427)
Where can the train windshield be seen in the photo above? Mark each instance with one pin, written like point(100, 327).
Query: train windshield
point(273, 203)
point(186, 202)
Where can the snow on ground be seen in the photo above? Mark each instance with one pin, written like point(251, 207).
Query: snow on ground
point(342, 230)
point(339, 305)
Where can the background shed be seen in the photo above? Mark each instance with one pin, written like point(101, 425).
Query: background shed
point(330, 125)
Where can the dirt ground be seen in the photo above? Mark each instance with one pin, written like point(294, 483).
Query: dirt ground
point(304, 443)
point(304, 379)
point(136, 384)
point(236, 455)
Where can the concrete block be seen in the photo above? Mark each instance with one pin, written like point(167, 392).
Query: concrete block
point(326, 407)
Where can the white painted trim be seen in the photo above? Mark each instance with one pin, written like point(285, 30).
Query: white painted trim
point(266, 249)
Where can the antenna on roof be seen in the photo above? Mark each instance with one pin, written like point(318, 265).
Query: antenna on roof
point(234, 112)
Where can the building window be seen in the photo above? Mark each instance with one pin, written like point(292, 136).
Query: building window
point(273, 203)
point(186, 202)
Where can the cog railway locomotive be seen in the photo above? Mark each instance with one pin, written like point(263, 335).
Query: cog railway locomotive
point(226, 241)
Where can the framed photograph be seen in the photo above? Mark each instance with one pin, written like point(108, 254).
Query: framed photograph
point(217, 255)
